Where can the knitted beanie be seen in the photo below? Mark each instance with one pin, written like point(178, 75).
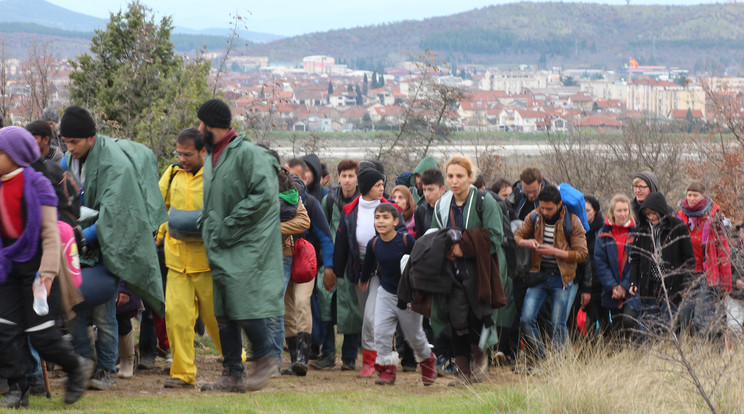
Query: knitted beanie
point(77, 122)
point(367, 178)
point(215, 113)
point(20, 145)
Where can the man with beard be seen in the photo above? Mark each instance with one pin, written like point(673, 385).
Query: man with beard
point(241, 229)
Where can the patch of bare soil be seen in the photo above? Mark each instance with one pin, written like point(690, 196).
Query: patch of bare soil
point(149, 383)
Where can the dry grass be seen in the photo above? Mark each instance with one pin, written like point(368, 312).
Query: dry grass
point(598, 379)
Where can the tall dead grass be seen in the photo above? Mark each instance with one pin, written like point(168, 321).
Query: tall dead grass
point(597, 378)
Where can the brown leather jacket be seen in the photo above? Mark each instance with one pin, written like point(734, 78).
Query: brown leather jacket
point(577, 250)
point(297, 225)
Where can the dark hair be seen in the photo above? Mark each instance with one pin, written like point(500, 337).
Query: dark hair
point(323, 170)
point(286, 182)
point(191, 135)
point(387, 208)
point(594, 202)
point(500, 184)
point(346, 165)
point(294, 162)
point(530, 175)
point(432, 176)
point(479, 182)
point(40, 128)
point(550, 193)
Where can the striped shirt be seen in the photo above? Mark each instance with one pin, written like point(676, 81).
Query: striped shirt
point(548, 263)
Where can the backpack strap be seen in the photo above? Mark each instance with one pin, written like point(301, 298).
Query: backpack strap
point(170, 180)
point(374, 242)
point(567, 226)
point(479, 204)
point(329, 207)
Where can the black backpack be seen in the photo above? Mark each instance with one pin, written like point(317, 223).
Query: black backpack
point(517, 260)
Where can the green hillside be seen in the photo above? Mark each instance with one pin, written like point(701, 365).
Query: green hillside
point(566, 33)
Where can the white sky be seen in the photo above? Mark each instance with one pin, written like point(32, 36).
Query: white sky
point(294, 17)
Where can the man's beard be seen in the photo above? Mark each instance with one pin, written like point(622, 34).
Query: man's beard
point(208, 138)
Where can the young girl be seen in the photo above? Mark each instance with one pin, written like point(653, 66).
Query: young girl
point(404, 199)
point(612, 259)
point(457, 208)
point(30, 247)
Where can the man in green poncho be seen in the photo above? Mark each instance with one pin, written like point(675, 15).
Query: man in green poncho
point(242, 236)
point(119, 183)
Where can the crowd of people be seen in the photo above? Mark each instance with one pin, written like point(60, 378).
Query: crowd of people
point(444, 275)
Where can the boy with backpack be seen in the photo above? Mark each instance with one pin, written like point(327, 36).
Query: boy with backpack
point(384, 253)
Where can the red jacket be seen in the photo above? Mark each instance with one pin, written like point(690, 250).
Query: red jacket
point(711, 247)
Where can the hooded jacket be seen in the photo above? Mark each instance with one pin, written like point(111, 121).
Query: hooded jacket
point(653, 184)
point(676, 258)
point(425, 164)
point(314, 189)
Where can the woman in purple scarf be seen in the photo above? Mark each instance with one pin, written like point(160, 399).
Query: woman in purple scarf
point(30, 246)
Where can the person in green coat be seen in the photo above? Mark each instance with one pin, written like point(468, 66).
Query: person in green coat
point(119, 184)
point(457, 208)
point(240, 226)
point(417, 189)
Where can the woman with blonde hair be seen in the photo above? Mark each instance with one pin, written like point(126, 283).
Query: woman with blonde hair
point(468, 319)
point(402, 196)
point(612, 260)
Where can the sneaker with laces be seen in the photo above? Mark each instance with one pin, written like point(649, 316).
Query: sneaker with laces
point(102, 380)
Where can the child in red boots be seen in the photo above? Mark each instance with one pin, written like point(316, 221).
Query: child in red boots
point(384, 253)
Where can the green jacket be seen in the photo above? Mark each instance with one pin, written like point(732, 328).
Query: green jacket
point(348, 316)
point(492, 217)
point(425, 164)
point(121, 182)
point(241, 231)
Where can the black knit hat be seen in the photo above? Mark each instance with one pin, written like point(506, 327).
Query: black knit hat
point(367, 178)
point(215, 113)
point(77, 122)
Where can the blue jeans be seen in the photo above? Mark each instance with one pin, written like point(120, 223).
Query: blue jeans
point(232, 342)
point(103, 316)
point(533, 301)
point(275, 325)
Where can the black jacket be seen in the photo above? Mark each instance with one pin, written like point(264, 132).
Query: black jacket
point(517, 201)
point(585, 271)
point(314, 189)
point(677, 256)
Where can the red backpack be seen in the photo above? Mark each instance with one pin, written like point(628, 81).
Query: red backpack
point(304, 262)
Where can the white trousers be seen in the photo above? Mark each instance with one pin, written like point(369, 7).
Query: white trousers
point(735, 314)
point(387, 316)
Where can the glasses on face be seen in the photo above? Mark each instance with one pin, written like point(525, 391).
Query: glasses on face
point(184, 154)
point(640, 187)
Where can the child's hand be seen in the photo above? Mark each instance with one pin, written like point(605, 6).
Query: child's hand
point(363, 286)
point(455, 252)
point(329, 279)
point(633, 290)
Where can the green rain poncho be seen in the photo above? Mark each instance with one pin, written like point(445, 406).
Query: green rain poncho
point(240, 227)
point(121, 182)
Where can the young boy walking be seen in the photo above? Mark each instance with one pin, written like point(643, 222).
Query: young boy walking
point(384, 253)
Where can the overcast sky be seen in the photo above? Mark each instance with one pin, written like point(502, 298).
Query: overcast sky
point(294, 17)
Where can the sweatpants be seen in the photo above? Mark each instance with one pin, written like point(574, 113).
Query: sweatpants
point(187, 296)
point(387, 316)
point(367, 303)
point(298, 316)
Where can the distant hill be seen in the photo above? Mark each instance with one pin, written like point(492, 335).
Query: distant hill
point(256, 37)
point(47, 14)
point(595, 35)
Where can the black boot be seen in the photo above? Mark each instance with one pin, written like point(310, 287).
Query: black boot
point(17, 397)
point(299, 367)
point(292, 347)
